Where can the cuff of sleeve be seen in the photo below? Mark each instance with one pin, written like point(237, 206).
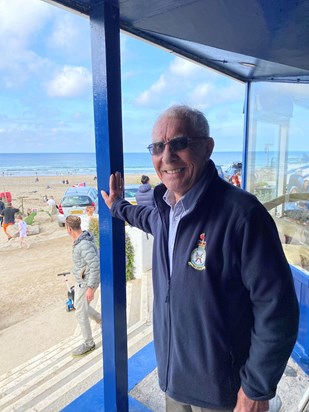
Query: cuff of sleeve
point(255, 396)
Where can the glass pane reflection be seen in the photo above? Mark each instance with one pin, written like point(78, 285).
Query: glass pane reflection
point(278, 162)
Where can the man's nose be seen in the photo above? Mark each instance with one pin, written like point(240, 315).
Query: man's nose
point(168, 155)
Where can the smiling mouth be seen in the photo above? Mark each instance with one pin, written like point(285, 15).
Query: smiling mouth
point(174, 171)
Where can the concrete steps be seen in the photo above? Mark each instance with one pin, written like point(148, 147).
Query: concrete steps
point(52, 379)
point(42, 382)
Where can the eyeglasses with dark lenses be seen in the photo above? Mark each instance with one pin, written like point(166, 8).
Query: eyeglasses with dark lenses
point(177, 144)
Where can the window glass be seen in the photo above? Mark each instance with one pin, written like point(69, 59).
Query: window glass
point(278, 162)
point(70, 201)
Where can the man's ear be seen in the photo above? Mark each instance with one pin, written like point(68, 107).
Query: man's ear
point(210, 144)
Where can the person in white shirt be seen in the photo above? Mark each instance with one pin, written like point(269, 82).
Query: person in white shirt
point(87, 216)
point(51, 205)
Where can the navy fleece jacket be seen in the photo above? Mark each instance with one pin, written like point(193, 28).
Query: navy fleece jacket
point(230, 319)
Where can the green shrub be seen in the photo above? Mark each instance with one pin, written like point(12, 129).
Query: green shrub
point(129, 259)
point(94, 229)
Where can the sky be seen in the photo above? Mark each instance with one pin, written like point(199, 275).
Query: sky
point(46, 85)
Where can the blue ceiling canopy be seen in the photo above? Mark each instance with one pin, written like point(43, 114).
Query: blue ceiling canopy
point(250, 40)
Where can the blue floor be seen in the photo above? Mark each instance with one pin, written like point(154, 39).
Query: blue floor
point(139, 366)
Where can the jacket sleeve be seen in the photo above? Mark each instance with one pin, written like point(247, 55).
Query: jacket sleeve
point(142, 217)
point(90, 257)
point(267, 276)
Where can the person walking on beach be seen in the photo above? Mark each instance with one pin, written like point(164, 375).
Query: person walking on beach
point(225, 313)
point(87, 216)
point(144, 195)
point(51, 201)
point(86, 270)
point(22, 229)
point(8, 215)
point(2, 207)
point(51, 205)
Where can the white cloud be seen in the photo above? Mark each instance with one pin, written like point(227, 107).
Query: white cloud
point(202, 91)
point(184, 68)
point(22, 20)
point(17, 67)
point(210, 94)
point(187, 82)
point(69, 37)
point(70, 82)
point(156, 90)
point(23, 47)
point(19, 26)
point(64, 33)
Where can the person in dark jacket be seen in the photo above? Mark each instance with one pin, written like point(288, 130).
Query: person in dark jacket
point(225, 309)
point(8, 215)
point(144, 195)
point(2, 207)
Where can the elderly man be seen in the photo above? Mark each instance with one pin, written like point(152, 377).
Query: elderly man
point(225, 310)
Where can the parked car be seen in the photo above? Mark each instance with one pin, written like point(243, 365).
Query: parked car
point(75, 200)
point(130, 193)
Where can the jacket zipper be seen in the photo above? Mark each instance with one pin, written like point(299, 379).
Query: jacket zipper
point(167, 301)
point(167, 298)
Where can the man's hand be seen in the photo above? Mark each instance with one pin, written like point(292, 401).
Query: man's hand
point(245, 404)
point(115, 189)
point(89, 294)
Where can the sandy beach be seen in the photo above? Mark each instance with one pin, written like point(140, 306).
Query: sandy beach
point(33, 316)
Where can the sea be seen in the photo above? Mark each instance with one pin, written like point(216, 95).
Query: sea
point(64, 164)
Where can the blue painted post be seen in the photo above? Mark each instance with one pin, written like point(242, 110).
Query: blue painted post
point(301, 349)
point(105, 44)
point(246, 137)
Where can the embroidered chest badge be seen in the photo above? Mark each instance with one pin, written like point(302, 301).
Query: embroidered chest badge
point(198, 255)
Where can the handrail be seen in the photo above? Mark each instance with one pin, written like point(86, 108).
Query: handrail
point(293, 197)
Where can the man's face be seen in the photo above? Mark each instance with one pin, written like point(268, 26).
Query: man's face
point(180, 170)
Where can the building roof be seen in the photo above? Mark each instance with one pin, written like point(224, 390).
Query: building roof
point(250, 40)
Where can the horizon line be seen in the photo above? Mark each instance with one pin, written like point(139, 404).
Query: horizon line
point(217, 151)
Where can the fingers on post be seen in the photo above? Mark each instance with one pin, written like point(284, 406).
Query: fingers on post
point(119, 184)
point(115, 189)
point(119, 180)
point(104, 195)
